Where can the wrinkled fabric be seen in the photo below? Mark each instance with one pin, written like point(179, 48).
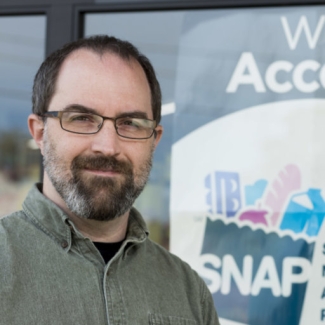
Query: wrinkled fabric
point(51, 274)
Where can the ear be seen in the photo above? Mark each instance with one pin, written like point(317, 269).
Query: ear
point(158, 133)
point(36, 129)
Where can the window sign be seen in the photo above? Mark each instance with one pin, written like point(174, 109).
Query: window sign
point(22, 45)
point(248, 177)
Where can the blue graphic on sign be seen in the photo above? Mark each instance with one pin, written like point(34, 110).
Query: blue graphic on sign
point(225, 200)
point(305, 213)
point(255, 191)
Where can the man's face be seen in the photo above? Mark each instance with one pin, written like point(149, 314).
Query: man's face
point(98, 176)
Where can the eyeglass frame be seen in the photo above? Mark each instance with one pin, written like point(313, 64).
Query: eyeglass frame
point(56, 114)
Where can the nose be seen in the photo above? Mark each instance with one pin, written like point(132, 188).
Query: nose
point(106, 141)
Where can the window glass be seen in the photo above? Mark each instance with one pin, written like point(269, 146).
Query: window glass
point(157, 35)
point(22, 46)
point(244, 183)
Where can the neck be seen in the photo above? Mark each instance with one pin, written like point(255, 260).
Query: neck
point(102, 231)
point(99, 231)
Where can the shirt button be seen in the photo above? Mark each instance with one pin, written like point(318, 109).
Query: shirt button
point(64, 244)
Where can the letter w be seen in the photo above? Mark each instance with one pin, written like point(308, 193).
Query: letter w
point(302, 25)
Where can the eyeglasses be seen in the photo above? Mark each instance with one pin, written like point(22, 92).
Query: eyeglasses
point(89, 123)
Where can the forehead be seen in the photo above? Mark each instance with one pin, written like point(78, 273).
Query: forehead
point(107, 83)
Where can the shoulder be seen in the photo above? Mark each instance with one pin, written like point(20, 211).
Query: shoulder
point(14, 228)
point(160, 252)
point(11, 240)
point(171, 265)
point(13, 220)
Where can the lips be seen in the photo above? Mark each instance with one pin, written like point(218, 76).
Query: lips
point(103, 172)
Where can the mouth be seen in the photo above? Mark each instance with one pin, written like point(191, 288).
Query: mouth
point(103, 172)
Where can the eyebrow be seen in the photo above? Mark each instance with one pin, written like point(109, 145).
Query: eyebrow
point(135, 114)
point(79, 108)
point(85, 109)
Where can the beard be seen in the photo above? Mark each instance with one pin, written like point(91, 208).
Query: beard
point(95, 197)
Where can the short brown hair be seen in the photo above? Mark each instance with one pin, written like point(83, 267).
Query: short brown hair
point(46, 76)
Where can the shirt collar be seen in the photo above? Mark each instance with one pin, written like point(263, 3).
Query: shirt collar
point(47, 216)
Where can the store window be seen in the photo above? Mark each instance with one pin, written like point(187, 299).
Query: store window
point(241, 168)
point(22, 49)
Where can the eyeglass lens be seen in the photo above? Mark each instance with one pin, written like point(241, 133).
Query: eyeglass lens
point(87, 123)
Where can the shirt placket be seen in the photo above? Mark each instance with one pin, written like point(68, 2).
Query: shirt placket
point(113, 298)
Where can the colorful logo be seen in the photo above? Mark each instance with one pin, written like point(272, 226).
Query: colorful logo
point(258, 245)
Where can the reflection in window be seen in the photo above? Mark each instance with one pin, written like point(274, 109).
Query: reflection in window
point(22, 44)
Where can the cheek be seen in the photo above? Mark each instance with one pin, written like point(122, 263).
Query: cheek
point(70, 147)
point(64, 156)
point(140, 155)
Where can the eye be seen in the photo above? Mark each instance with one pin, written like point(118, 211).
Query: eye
point(129, 122)
point(73, 117)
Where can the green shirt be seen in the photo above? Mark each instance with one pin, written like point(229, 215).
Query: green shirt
point(51, 274)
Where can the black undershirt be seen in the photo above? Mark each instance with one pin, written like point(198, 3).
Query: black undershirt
point(108, 250)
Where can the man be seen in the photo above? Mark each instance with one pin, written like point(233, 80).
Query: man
point(78, 253)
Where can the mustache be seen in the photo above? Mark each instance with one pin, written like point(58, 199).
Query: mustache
point(102, 163)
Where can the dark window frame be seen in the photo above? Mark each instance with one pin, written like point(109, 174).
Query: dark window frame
point(168, 5)
point(65, 18)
